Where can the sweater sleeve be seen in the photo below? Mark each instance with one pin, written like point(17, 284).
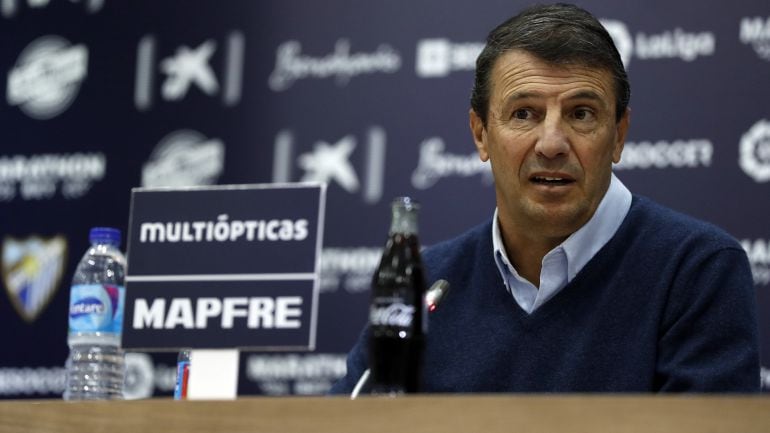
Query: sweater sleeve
point(708, 340)
point(357, 363)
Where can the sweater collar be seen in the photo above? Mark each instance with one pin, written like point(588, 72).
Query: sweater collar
point(576, 251)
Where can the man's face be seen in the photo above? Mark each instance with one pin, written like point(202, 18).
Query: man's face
point(551, 137)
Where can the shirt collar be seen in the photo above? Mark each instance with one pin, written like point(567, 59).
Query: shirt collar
point(581, 246)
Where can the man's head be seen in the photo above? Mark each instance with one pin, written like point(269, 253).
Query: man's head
point(550, 114)
point(560, 34)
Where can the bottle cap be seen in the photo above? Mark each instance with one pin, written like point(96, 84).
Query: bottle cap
point(104, 235)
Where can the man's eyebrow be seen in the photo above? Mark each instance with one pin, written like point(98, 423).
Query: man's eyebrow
point(523, 95)
point(586, 94)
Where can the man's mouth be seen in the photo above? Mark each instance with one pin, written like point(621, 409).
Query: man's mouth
point(548, 180)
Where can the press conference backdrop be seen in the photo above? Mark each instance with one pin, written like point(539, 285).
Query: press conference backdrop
point(100, 96)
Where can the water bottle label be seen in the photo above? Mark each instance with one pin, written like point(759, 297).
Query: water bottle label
point(96, 308)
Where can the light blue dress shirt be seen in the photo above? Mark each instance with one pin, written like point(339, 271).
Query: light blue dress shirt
point(562, 263)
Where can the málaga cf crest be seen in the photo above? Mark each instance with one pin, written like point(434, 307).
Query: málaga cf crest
point(32, 269)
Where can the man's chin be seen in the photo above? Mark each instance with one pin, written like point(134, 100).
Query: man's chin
point(560, 220)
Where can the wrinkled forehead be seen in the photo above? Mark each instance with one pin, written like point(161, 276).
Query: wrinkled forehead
point(519, 70)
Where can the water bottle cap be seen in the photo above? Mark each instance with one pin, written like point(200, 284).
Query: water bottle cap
point(104, 235)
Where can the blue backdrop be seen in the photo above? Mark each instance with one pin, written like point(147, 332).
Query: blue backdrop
point(100, 96)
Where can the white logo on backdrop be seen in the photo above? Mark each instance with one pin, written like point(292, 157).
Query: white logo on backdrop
point(755, 151)
point(755, 31)
point(669, 44)
point(291, 65)
point(439, 57)
point(32, 270)
point(758, 251)
point(140, 376)
point(332, 162)
point(190, 68)
point(38, 176)
point(622, 37)
point(47, 76)
point(185, 158)
point(435, 163)
point(349, 268)
point(9, 8)
point(28, 380)
point(298, 374)
point(187, 67)
point(690, 153)
point(329, 162)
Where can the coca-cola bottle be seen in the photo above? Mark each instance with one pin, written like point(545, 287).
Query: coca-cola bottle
point(397, 316)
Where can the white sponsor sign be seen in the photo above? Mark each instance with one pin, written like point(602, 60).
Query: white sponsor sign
point(684, 153)
point(39, 177)
point(755, 31)
point(439, 57)
point(668, 44)
point(292, 65)
point(47, 76)
point(755, 151)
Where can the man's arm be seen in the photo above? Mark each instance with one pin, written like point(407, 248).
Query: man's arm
point(709, 335)
point(357, 363)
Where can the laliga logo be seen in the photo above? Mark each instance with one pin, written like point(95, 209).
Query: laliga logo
point(755, 151)
point(670, 44)
point(46, 78)
point(184, 158)
point(622, 38)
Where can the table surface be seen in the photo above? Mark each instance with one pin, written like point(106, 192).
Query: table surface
point(425, 413)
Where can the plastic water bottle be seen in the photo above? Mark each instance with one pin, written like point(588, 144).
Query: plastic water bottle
point(95, 366)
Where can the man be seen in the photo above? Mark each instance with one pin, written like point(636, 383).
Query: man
point(576, 285)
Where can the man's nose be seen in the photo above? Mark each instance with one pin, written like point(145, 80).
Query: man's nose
point(553, 141)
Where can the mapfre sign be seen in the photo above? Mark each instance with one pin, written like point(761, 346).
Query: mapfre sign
point(224, 267)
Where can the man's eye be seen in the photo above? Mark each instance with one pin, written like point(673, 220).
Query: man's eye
point(583, 114)
point(522, 114)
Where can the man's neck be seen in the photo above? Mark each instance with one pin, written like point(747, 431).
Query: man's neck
point(526, 253)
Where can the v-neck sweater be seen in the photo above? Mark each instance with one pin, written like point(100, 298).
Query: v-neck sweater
point(667, 304)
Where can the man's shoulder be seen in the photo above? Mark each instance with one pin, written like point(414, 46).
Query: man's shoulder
point(648, 219)
point(460, 249)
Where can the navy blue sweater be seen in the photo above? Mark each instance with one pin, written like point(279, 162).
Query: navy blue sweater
point(667, 305)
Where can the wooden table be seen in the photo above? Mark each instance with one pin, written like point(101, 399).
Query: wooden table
point(452, 413)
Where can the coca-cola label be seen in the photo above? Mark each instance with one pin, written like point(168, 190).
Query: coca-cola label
point(395, 314)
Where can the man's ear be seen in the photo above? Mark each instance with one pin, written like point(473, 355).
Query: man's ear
point(479, 134)
point(620, 135)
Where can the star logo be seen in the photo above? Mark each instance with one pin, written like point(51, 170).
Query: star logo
point(189, 66)
point(331, 162)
